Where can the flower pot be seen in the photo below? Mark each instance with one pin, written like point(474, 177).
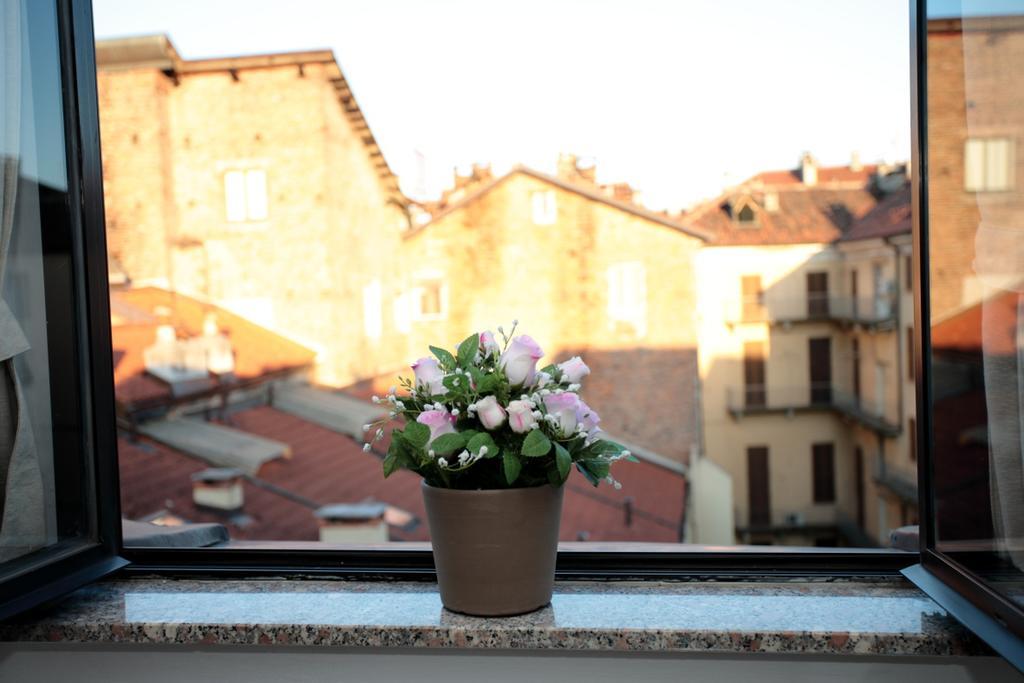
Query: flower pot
point(494, 550)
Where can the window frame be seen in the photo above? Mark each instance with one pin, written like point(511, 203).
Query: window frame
point(405, 561)
point(71, 563)
point(988, 614)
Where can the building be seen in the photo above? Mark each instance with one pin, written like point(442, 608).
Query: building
point(787, 322)
point(256, 184)
point(585, 270)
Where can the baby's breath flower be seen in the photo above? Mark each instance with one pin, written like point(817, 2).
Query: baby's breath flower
point(366, 428)
point(431, 452)
point(441, 462)
point(574, 387)
point(366, 448)
point(375, 399)
point(537, 414)
point(483, 450)
point(455, 412)
point(545, 392)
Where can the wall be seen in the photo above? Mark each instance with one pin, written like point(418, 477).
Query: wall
point(43, 663)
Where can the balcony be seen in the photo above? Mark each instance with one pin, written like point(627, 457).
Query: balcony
point(759, 399)
point(874, 313)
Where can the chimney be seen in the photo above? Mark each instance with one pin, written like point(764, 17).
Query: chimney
point(353, 523)
point(219, 488)
point(567, 167)
point(808, 170)
point(855, 164)
point(622, 192)
point(771, 201)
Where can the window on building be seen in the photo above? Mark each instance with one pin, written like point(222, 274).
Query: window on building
point(429, 295)
point(627, 296)
point(823, 471)
point(855, 369)
point(817, 295)
point(746, 214)
point(912, 439)
point(752, 298)
point(755, 388)
point(909, 354)
point(988, 164)
point(759, 486)
point(373, 302)
point(245, 195)
point(544, 206)
point(908, 273)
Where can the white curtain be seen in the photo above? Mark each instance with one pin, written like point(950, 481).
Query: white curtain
point(22, 526)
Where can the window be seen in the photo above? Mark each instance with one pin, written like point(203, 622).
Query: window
point(911, 370)
point(988, 164)
point(429, 297)
point(823, 470)
point(912, 439)
point(245, 195)
point(759, 486)
point(746, 214)
point(817, 295)
point(908, 273)
point(372, 314)
point(58, 517)
point(544, 207)
point(753, 298)
point(627, 297)
point(756, 394)
point(855, 369)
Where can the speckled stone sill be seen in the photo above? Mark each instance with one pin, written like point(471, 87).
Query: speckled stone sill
point(887, 618)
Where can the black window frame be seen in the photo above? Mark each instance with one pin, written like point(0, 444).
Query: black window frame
point(51, 572)
point(988, 614)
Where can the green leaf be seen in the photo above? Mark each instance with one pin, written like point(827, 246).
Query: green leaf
point(599, 468)
point(563, 460)
point(480, 440)
point(390, 464)
point(449, 443)
point(585, 471)
point(416, 434)
point(488, 383)
point(467, 350)
point(550, 369)
point(604, 447)
point(536, 444)
point(453, 383)
point(446, 359)
point(512, 467)
point(554, 478)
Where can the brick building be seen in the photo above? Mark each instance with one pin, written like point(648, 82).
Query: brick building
point(585, 271)
point(254, 183)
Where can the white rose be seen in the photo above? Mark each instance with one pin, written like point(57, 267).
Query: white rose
point(519, 361)
point(489, 412)
point(429, 376)
point(521, 417)
point(574, 369)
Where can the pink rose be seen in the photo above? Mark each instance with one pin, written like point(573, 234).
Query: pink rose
point(489, 345)
point(520, 360)
point(590, 421)
point(520, 417)
point(574, 369)
point(489, 412)
point(566, 409)
point(429, 376)
point(439, 421)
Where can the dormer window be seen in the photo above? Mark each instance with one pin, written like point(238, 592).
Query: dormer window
point(744, 212)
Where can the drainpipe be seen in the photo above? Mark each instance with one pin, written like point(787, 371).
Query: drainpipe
point(898, 304)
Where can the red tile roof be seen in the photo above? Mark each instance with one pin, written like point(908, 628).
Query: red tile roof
point(136, 314)
point(891, 216)
point(961, 332)
point(327, 467)
point(820, 213)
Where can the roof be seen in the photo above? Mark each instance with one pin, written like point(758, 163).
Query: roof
point(158, 52)
point(589, 192)
point(890, 217)
point(819, 213)
point(136, 314)
point(961, 332)
point(327, 468)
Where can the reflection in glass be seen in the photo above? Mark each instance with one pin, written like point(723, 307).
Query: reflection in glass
point(976, 233)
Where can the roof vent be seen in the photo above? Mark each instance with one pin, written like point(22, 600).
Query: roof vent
point(186, 364)
point(353, 523)
point(855, 164)
point(219, 488)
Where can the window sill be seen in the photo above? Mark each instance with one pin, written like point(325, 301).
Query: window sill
point(886, 617)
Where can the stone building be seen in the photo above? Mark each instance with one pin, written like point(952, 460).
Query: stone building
point(784, 313)
point(254, 183)
point(585, 271)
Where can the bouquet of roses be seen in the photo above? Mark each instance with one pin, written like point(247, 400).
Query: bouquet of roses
point(486, 418)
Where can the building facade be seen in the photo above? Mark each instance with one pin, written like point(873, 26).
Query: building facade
point(800, 345)
point(253, 183)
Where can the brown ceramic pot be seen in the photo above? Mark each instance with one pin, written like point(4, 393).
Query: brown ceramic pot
point(494, 550)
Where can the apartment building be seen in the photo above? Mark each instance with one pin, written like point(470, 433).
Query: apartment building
point(788, 321)
point(586, 271)
point(254, 183)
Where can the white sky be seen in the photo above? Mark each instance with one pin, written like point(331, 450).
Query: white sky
point(679, 98)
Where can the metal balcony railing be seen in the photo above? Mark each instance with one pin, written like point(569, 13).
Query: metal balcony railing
point(755, 399)
point(874, 312)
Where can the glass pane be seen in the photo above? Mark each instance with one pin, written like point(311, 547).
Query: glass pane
point(43, 498)
point(692, 253)
point(976, 244)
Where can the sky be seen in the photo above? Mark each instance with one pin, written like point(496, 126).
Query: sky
point(680, 99)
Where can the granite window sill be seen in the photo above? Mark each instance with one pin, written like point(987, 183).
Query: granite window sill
point(873, 618)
